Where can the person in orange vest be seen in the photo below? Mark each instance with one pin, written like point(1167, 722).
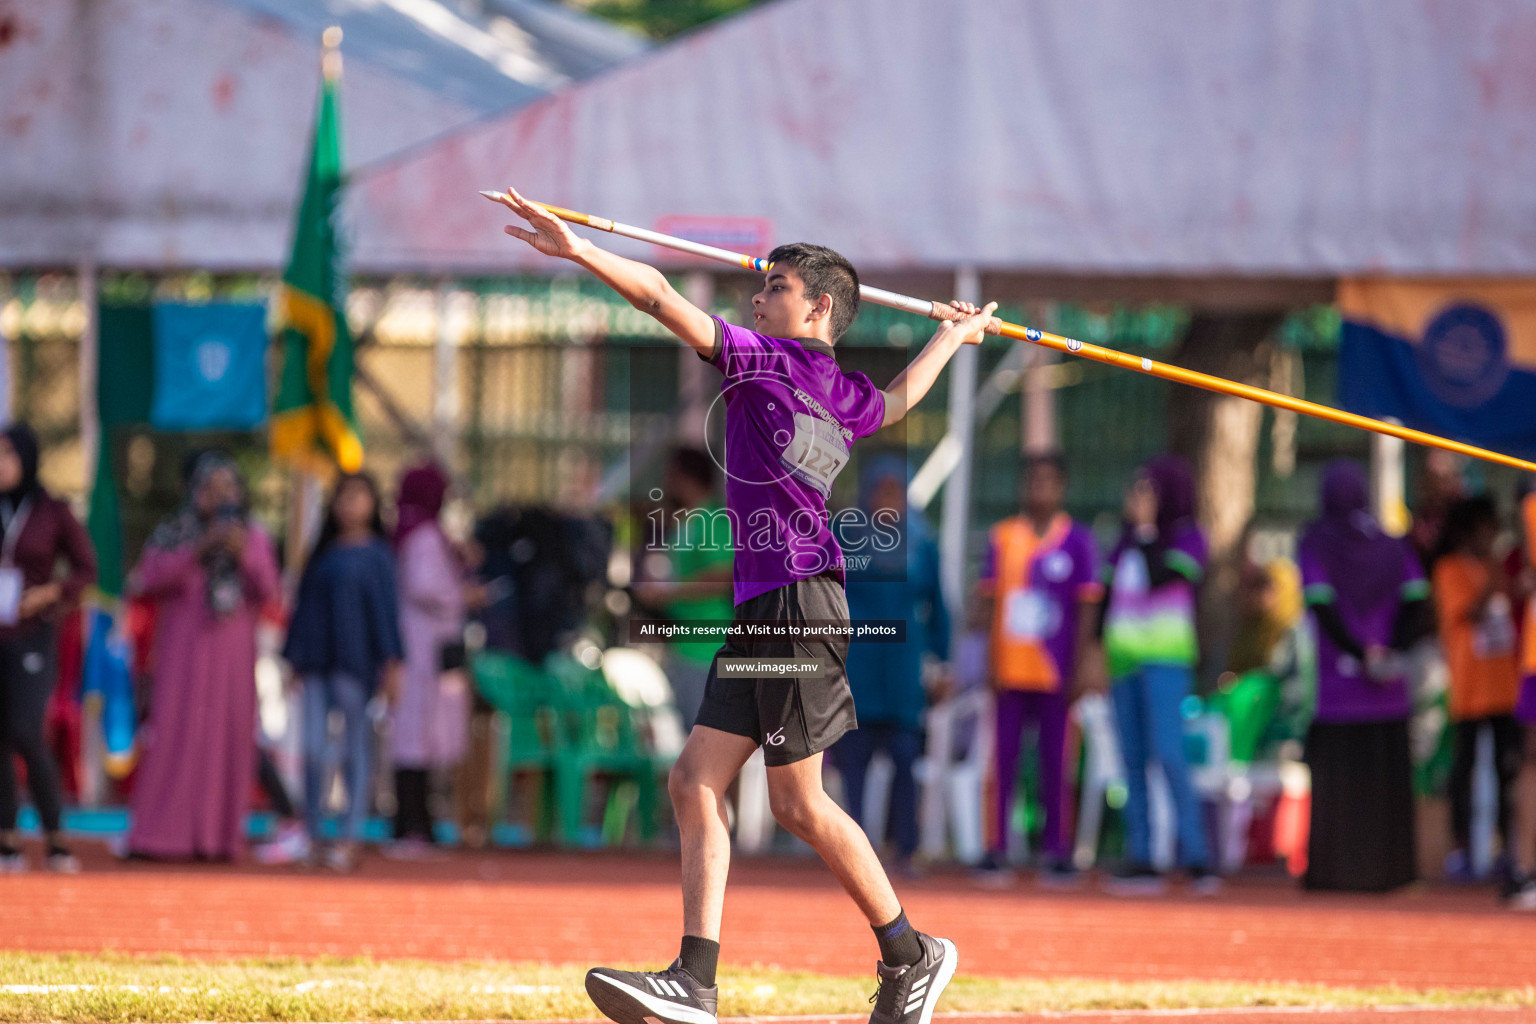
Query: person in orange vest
point(1477, 632)
point(1039, 589)
point(1523, 896)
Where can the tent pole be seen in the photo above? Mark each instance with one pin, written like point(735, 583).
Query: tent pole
point(92, 765)
point(1039, 413)
point(957, 489)
point(1387, 483)
point(445, 378)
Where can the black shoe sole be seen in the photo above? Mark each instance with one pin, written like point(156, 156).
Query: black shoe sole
point(622, 1003)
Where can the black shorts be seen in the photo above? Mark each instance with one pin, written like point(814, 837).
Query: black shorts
point(790, 717)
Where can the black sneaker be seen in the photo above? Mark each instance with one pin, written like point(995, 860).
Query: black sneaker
point(908, 994)
point(1136, 880)
point(1059, 874)
point(993, 871)
point(671, 996)
point(1204, 882)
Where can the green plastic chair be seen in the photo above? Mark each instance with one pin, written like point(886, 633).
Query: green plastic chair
point(1249, 704)
point(524, 694)
point(601, 742)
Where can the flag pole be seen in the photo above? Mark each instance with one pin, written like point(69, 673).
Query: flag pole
point(304, 492)
point(935, 310)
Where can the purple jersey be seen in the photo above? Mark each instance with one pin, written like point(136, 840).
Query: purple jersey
point(1038, 584)
point(791, 417)
point(1153, 626)
point(1344, 692)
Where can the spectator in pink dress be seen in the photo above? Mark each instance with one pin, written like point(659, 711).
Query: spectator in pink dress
point(429, 727)
point(209, 569)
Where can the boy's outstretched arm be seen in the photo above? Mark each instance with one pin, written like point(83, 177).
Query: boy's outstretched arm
point(642, 286)
point(913, 383)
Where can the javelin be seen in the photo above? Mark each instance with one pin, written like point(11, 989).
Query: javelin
point(935, 310)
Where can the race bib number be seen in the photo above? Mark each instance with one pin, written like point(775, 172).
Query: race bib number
point(1131, 574)
point(1029, 615)
point(1495, 635)
point(10, 596)
point(816, 453)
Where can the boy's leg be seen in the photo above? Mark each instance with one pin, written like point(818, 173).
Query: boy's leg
point(709, 761)
point(1463, 761)
point(1165, 687)
point(1525, 806)
point(1012, 707)
point(1053, 784)
point(1130, 708)
point(685, 993)
point(1507, 755)
point(914, 968)
point(803, 807)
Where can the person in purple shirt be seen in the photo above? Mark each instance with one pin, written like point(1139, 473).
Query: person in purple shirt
point(1369, 602)
point(1039, 588)
point(791, 416)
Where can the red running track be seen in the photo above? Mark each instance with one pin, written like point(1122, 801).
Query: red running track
point(610, 908)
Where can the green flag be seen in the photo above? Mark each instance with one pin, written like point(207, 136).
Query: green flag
point(312, 419)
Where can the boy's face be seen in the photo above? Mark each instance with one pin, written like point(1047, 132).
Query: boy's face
point(781, 309)
point(1044, 490)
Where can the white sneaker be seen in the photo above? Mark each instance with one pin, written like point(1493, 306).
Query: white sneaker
point(1524, 898)
point(14, 862)
point(62, 862)
point(290, 847)
point(341, 858)
point(412, 850)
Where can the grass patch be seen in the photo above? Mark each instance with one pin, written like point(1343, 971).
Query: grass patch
point(86, 989)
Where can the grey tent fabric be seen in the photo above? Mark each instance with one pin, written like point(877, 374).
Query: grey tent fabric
point(173, 133)
point(1162, 137)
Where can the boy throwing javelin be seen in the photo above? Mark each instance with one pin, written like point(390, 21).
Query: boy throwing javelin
point(791, 415)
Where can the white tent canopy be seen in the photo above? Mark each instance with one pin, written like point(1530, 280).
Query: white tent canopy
point(173, 133)
point(1164, 137)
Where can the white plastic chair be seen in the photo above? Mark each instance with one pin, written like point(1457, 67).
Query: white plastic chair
point(950, 807)
point(1103, 770)
point(754, 817)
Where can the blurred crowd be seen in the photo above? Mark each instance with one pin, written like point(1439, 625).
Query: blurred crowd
point(1367, 678)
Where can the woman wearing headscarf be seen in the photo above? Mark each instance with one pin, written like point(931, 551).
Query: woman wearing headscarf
point(209, 569)
point(1153, 576)
point(37, 533)
point(893, 575)
point(1369, 602)
point(429, 727)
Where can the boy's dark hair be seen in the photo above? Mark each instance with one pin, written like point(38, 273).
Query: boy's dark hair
point(695, 464)
point(1462, 520)
point(1056, 460)
point(824, 272)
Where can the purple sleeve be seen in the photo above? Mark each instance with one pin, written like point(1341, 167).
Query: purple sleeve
point(988, 572)
point(1413, 569)
point(867, 411)
point(1191, 542)
point(1086, 558)
point(739, 352)
point(1311, 568)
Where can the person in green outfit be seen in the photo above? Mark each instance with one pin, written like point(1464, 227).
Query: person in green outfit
point(696, 585)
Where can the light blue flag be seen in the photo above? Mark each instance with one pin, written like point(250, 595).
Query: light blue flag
point(210, 367)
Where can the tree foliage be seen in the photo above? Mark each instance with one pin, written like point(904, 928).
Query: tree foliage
point(663, 19)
